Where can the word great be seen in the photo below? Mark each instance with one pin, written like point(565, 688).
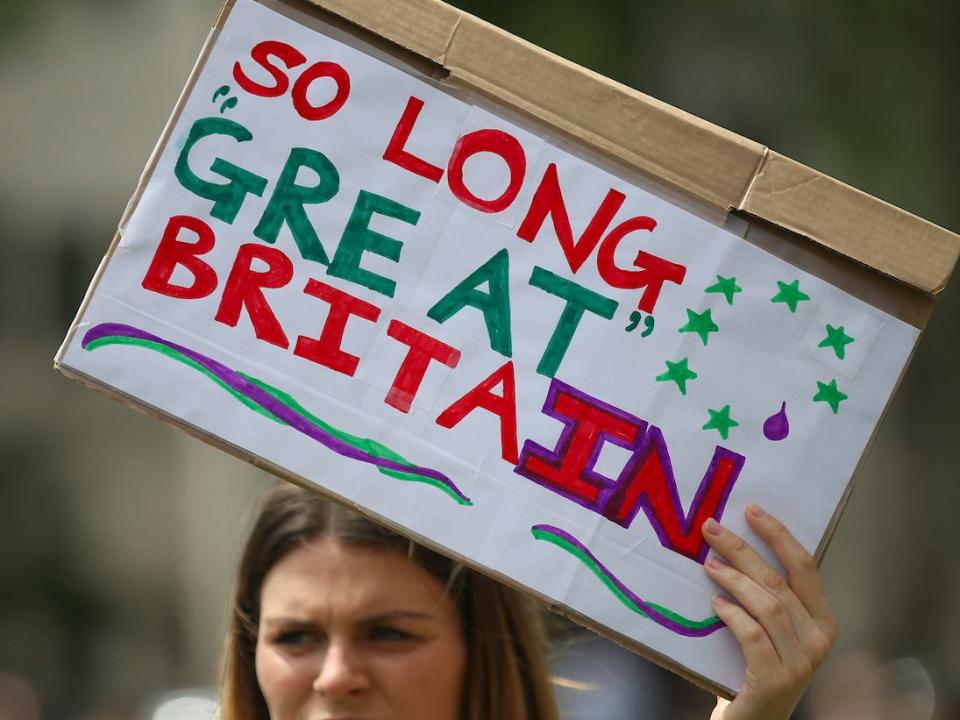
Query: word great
point(245, 285)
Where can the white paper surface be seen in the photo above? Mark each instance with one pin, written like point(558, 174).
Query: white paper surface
point(761, 355)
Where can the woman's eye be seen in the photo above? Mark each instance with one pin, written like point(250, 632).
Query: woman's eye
point(295, 638)
point(389, 634)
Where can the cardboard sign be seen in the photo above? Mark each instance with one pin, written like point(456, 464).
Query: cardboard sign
point(480, 332)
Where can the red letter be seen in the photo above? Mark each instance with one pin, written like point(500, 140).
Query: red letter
point(423, 349)
point(326, 351)
point(653, 273)
point(261, 52)
point(395, 151)
point(300, 88)
point(548, 200)
point(647, 482)
point(503, 406)
point(568, 468)
point(244, 288)
point(493, 141)
point(172, 252)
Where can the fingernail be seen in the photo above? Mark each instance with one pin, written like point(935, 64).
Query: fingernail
point(756, 510)
point(720, 600)
point(716, 563)
point(712, 526)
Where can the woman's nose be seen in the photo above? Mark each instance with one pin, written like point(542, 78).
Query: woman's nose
point(341, 672)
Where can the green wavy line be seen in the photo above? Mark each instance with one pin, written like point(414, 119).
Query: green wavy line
point(180, 357)
point(368, 445)
point(608, 581)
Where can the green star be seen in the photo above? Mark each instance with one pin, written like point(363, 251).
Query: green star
point(789, 294)
point(701, 324)
point(679, 373)
point(721, 421)
point(727, 286)
point(837, 339)
point(829, 394)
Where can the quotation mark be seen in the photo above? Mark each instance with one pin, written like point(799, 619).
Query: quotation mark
point(635, 317)
point(229, 102)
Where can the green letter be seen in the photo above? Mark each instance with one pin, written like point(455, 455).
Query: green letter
point(288, 199)
point(358, 238)
point(578, 299)
point(494, 305)
point(227, 197)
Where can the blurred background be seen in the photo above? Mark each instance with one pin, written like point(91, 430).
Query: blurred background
point(118, 535)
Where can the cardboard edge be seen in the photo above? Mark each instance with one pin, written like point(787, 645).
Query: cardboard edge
point(87, 297)
point(342, 29)
point(828, 534)
point(260, 463)
point(892, 296)
point(849, 221)
point(424, 27)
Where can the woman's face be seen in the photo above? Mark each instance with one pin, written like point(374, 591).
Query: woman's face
point(349, 633)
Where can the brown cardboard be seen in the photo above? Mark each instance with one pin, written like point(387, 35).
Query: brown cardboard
point(425, 27)
point(712, 164)
point(852, 222)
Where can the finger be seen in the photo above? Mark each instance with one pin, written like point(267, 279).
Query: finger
point(802, 572)
point(765, 609)
point(757, 648)
point(743, 557)
point(719, 710)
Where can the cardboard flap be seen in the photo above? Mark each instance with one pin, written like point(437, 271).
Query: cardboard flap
point(424, 27)
point(858, 225)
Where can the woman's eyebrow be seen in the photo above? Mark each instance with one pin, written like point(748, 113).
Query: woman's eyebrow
point(390, 615)
point(285, 621)
point(399, 615)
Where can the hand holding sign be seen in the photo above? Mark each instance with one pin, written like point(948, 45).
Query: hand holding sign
point(785, 626)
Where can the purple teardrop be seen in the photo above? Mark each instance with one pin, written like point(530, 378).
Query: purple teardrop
point(777, 427)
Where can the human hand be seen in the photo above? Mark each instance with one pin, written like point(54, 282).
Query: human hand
point(784, 625)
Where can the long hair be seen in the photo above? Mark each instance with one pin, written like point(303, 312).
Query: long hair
point(506, 675)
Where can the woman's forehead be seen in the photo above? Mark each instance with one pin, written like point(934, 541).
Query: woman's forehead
point(326, 576)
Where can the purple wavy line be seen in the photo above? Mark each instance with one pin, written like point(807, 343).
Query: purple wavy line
point(651, 612)
point(268, 402)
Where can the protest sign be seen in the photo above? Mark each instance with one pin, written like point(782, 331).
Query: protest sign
point(496, 326)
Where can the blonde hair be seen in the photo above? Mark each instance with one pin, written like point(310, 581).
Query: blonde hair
point(506, 676)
